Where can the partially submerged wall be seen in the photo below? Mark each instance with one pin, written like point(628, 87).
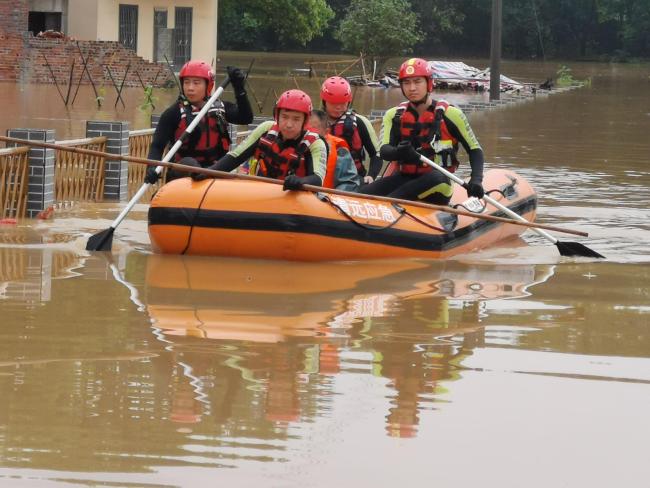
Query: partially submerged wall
point(22, 57)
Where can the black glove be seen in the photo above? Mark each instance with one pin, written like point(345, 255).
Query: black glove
point(406, 152)
point(292, 182)
point(189, 161)
point(151, 177)
point(237, 78)
point(474, 188)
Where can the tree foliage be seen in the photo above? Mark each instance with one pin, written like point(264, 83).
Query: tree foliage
point(262, 23)
point(379, 28)
point(569, 29)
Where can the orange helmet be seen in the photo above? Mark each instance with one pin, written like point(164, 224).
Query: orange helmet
point(198, 69)
point(336, 90)
point(296, 100)
point(415, 67)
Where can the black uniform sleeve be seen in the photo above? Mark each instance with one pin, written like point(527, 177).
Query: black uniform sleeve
point(239, 113)
point(471, 146)
point(366, 140)
point(376, 162)
point(476, 161)
point(164, 133)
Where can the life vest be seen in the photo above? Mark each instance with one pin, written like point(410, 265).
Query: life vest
point(347, 127)
point(333, 144)
point(423, 131)
point(276, 161)
point(209, 140)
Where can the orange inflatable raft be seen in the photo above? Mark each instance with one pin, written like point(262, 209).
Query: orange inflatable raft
point(253, 219)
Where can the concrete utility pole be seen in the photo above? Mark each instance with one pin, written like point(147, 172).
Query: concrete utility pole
point(495, 51)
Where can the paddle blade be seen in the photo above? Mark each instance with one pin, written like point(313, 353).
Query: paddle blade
point(101, 241)
point(576, 249)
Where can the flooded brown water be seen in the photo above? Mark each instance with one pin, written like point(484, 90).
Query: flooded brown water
point(510, 367)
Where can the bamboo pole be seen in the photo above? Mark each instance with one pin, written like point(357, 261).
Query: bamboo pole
point(312, 188)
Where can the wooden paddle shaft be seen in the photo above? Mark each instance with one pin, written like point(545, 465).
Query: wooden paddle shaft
point(313, 188)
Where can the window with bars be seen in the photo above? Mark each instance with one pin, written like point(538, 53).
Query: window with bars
point(128, 31)
point(182, 36)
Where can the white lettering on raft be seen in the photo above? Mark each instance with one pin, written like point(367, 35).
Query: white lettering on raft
point(365, 210)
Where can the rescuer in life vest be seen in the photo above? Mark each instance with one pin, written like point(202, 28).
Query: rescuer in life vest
point(283, 148)
point(210, 140)
point(354, 128)
point(424, 126)
point(341, 171)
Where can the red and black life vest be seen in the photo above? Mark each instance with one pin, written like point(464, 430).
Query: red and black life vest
point(347, 128)
point(421, 130)
point(209, 140)
point(275, 160)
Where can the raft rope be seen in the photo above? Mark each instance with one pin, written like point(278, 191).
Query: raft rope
point(324, 198)
point(496, 190)
point(422, 222)
point(196, 214)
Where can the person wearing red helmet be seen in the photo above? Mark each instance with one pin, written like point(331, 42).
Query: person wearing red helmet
point(428, 127)
point(210, 140)
point(357, 130)
point(283, 148)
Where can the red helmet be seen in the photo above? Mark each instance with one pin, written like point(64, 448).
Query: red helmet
point(198, 69)
point(415, 67)
point(336, 90)
point(296, 100)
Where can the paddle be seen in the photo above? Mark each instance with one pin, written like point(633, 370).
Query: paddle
point(312, 188)
point(565, 248)
point(103, 240)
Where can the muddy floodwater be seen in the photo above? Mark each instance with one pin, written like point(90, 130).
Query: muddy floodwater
point(511, 367)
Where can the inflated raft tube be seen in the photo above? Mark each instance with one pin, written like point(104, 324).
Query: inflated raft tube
point(252, 219)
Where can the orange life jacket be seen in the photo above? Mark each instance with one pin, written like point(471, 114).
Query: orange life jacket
point(275, 161)
point(347, 128)
point(333, 144)
point(209, 140)
point(420, 130)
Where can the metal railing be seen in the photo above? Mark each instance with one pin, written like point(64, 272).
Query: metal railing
point(79, 177)
point(14, 165)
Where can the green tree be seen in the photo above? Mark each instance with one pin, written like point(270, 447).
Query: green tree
point(439, 19)
point(380, 29)
point(249, 23)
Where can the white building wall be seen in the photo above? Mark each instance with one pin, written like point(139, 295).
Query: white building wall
point(99, 20)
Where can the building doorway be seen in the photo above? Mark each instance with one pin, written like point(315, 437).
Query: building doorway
point(162, 36)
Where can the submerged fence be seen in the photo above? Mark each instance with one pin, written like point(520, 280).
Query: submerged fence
point(33, 179)
point(79, 177)
point(13, 181)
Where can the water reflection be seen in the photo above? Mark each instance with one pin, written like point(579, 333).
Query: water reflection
point(293, 326)
point(225, 362)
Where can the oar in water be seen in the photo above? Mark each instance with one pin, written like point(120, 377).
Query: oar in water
point(312, 188)
point(565, 248)
point(103, 240)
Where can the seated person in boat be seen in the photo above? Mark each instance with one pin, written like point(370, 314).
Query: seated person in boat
point(357, 130)
point(283, 148)
point(210, 139)
point(341, 170)
point(424, 126)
